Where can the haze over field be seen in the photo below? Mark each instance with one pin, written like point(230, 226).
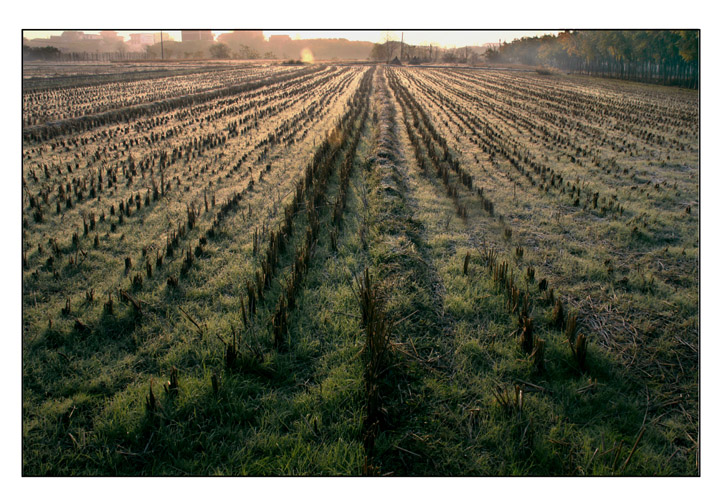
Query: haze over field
point(444, 38)
point(105, 45)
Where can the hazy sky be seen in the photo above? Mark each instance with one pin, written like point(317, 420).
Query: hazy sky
point(446, 38)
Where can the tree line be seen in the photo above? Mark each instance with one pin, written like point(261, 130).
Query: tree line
point(392, 50)
point(669, 57)
point(50, 53)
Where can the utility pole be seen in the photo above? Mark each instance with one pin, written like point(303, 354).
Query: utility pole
point(402, 41)
point(162, 47)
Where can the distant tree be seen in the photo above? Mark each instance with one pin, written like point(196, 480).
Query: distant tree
point(492, 55)
point(660, 56)
point(269, 55)
point(388, 46)
point(171, 47)
point(551, 52)
point(45, 53)
point(386, 50)
point(688, 45)
point(450, 56)
point(379, 52)
point(220, 51)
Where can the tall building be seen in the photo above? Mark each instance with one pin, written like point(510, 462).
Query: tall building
point(165, 37)
point(70, 36)
point(188, 35)
point(279, 39)
point(111, 36)
point(142, 39)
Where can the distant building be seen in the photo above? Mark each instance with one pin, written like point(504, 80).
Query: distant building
point(71, 36)
point(110, 36)
point(68, 37)
point(189, 35)
point(90, 36)
point(165, 37)
point(279, 39)
point(138, 39)
point(251, 38)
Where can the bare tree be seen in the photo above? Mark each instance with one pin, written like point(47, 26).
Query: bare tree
point(389, 37)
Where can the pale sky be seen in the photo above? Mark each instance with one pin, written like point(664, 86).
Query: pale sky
point(447, 38)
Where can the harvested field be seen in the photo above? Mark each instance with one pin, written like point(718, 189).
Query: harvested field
point(261, 269)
